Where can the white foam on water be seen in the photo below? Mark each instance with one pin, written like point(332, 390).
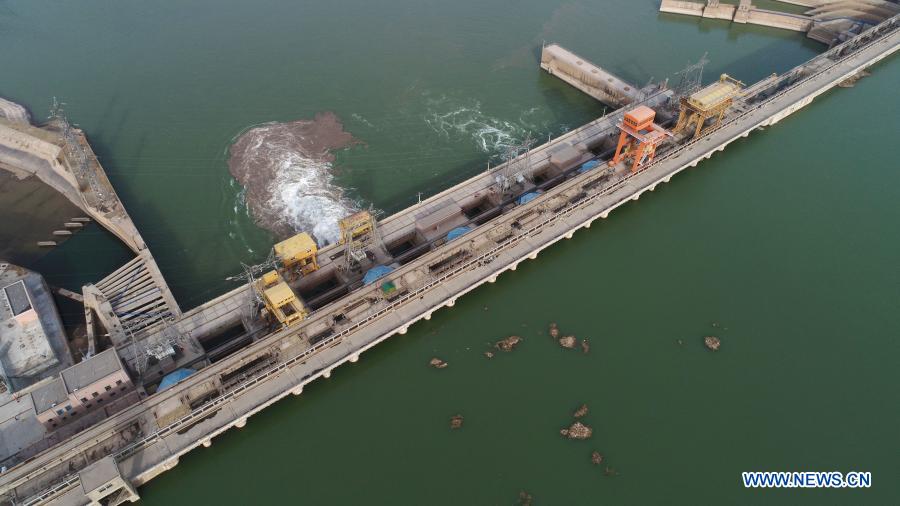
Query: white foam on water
point(491, 135)
point(304, 194)
point(301, 192)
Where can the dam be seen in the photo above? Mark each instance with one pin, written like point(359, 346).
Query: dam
point(342, 326)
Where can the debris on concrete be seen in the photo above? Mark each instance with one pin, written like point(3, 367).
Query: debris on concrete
point(437, 363)
point(456, 421)
point(577, 430)
point(568, 341)
point(712, 342)
point(596, 458)
point(585, 346)
point(554, 331)
point(507, 344)
point(580, 412)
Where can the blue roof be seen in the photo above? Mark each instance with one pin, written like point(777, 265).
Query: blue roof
point(586, 166)
point(173, 377)
point(528, 197)
point(375, 273)
point(457, 232)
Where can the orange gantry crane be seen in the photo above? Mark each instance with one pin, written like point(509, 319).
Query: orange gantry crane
point(640, 137)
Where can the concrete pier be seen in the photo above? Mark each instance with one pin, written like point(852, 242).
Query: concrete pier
point(280, 364)
point(587, 77)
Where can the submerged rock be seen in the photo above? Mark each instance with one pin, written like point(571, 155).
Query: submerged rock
point(568, 342)
point(489, 354)
point(585, 345)
point(712, 342)
point(508, 343)
point(456, 421)
point(609, 471)
point(525, 498)
point(596, 458)
point(437, 363)
point(577, 430)
point(554, 331)
point(583, 410)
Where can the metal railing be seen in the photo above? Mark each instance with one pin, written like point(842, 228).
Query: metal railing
point(486, 258)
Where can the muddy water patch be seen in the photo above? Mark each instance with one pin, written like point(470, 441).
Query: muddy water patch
point(287, 172)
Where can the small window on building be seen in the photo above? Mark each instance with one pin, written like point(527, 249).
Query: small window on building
point(122, 389)
point(84, 399)
point(87, 405)
point(108, 388)
point(99, 401)
point(53, 424)
point(95, 394)
point(118, 382)
point(68, 408)
point(112, 393)
point(59, 411)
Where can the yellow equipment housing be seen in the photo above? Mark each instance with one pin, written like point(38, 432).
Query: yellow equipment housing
point(709, 102)
point(280, 300)
point(299, 250)
point(355, 226)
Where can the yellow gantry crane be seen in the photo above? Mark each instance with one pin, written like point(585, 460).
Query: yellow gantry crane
point(280, 300)
point(298, 253)
point(711, 101)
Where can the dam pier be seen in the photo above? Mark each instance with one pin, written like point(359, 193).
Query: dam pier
point(192, 375)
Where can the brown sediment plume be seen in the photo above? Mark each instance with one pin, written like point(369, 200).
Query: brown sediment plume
point(285, 169)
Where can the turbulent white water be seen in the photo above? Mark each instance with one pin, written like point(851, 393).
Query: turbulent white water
point(490, 135)
point(303, 193)
point(287, 172)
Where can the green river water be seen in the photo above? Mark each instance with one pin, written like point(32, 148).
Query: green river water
point(788, 239)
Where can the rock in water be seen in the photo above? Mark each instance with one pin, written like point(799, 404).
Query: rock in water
point(712, 342)
point(585, 345)
point(596, 458)
point(583, 410)
point(437, 363)
point(577, 430)
point(525, 498)
point(456, 421)
point(568, 342)
point(488, 354)
point(508, 343)
point(554, 331)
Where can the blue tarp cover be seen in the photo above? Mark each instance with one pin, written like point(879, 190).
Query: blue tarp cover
point(528, 197)
point(376, 272)
point(586, 166)
point(456, 232)
point(174, 377)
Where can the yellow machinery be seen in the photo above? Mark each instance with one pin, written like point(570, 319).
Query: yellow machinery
point(280, 300)
point(357, 236)
point(298, 252)
point(711, 101)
